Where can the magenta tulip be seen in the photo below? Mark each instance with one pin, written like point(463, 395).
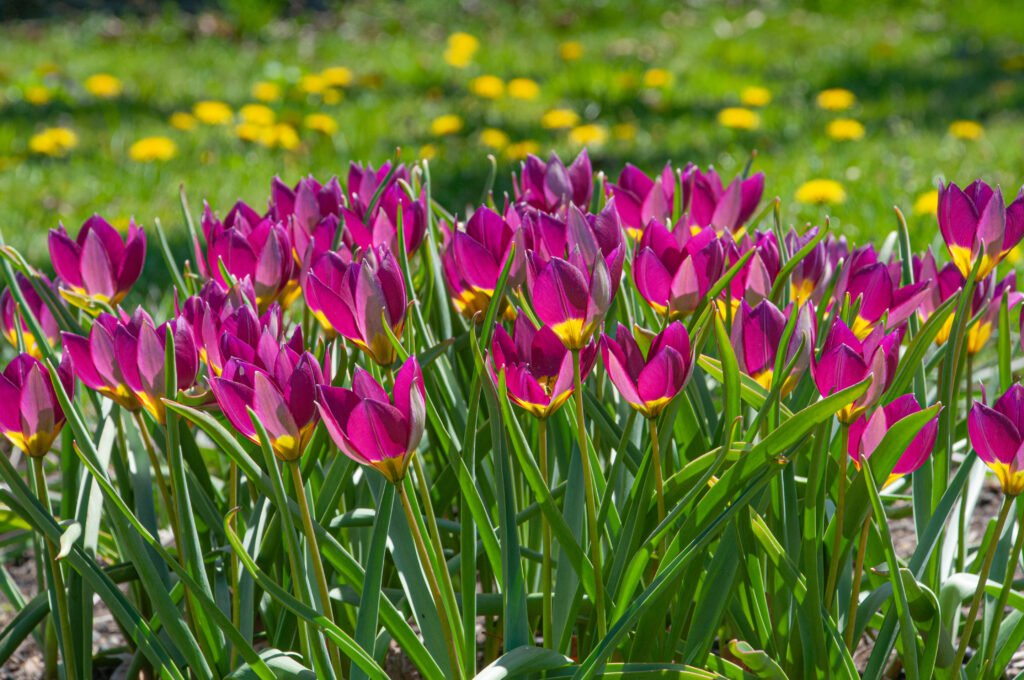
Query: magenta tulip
point(36, 307)
point(551, 186)
point(474, 258)
point(31, 417)
point(640, 199)
point(753, 282)
point(810, 276)
point(649, 381)
point(310, 212)
point(867, 433)
point(675, 270)
point(846, 360)
point(876, 285)
point(724, 208)
point(98, 266)
point(976, 223)
point(757, 337)
point(997, 434)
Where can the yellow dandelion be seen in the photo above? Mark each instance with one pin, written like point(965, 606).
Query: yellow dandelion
point(257, 114)
point(559, 118)
point(55, 141)
point(37, 95)
point(461, 48)
point(337, 76)
point(281, 135)
point(331, 96)
point(249, 132)
point(266, 91)
point(626, 131)
point(183, 121)
point(103, 85)
point(836, 99)
point(739, 118)
point(927, 203)
point(312, 83)
point(657, 77)
point(755, 96)
point(965, 129)
point(521, 150)
point(212, 112)
point(447, 124)
point(153, 149)
point(321, 122)
point(589, 135)
point(494, 138)
point(570, 50)
point(428, 152)
point(844, 129)
point(488, 87)
point(523, 88)
point(821, 192)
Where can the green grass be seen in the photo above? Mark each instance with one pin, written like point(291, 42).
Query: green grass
point(914, 70)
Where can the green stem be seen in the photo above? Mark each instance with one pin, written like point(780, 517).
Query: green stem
point(314, 551)
point(165, 490)
point(59, 592)
point(421, 548)
point(858, 572)
point(547, 621)
point(588, 488)
point(961, 527)
point(961, 649)
point(833, 570)
point(659, 483)
point(1004, 596)
point(236, 602)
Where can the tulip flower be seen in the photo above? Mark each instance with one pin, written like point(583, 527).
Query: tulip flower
point(675, 270)
point(96, 361)
point(31, 417)
point(997, 434)
point(811, 274)
point(572, 295)
point(280, 388)
point(36, 307)
point(753, 282)
point(473, 260)
point(356, 299)
point(942, 284)
point(551, 186)
point(725, 209)
point(757, 337)
point(867, 433)
point(649, 381)
point(373, 428)
point(311, 213)
point(364, 182)
point(876, 285)
point(846, 360)
point(992, 294)
point(98, 266)
point(976, 223)
point(249, 246)
point(381, 228)
point(538, 367)
point(639, 199)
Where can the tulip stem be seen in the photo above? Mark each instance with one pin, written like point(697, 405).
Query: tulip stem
point(236, 602)
point(588, 488)
point(858, 569)
point(989, 657)
point(59, 593)
point(547, 624)
point(833, 569)
point(421, 548)
point(986, 565)
point(161, 481)
point(659, 484)
point(961, 527)
point(314, 551)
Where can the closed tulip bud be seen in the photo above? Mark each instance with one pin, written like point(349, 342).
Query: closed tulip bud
point(373, 428)
point(867, 433)
point(31, 417)
point(725, 209)
point(649, 381)
point(675, 270)
point(997, 434)
point(474, 258)
point(753, 282)
point(364, 182)
point(757, 337)
point(846, 360)
point(551, 186)
point(977, 224)
point(98, 266)
point(537, 366)
point(876, 285)
point(36, 307)
point(811, 274)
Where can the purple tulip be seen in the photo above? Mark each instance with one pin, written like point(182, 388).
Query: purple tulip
point(757, 336)
point(867, 433)
point(98, 265)
point(725, 209)
point(474, 258)
point(373, 428)
point(997, 434)
point(992, 294)
point(876, 285)
point(810, 276)
point(573, 293)
point(356, 299)
point(382, 227)
point(96, 361)
point(640, 199)
point(364, 182)
point(942, 284)
point(753, 282)
point(976, 223)
point(538, 367)
point(675, 270)
point(846, 360)
point(252, 247)
point(31, 417)
point(311, 213)
point(36, 307)
point(551, 187)
point(281, 389)
point(649, 382)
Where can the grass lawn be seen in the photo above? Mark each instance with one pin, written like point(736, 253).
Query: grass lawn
point(648, 86)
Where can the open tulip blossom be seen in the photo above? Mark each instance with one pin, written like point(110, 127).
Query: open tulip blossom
point(977, 224)
point(640, 199)
point(98, 265)
point(846, 360)
point(757, 338)
point(867, 433)
point(875, 285)
point(475, 257)
point(675, 270)
point(997, 435)
point(724, 208)
point(649, 380)
point(31, 417)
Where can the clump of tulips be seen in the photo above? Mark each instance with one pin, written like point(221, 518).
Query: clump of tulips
point(635, 429)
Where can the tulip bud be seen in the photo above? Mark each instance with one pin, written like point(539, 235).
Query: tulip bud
point(31, 417)
point(649, 382)
point(867, 433)
point(98, 266)
point(997, 434)
point(977, 224)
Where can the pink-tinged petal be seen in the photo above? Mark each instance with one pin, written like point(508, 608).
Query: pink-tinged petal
point(339, 314)
point(10, 420)
point(151, 361)
point(126, 347)
point(475, 263)
point(615, 363)
point(762, 331)
point(77, 348)
point(365, 387)
point(652, 280)
point(557, 188)
point(97, 271)
point(1014, 222)
point(282, 199)
point(838, 369)
point(1011, 405)
point(336, 405)
point(581, 179)
point(993, 435)
point(840, 334)
point(106, 233)
point(635, 181)
point(753, 188)
point(663, 376)
point(727, 209)
point(186, 355)
point(992, 222)
point(272, 410)
point(958, 218)
point(65, 255)
point(560, 292)
point(378, 431)
point(633, 358)
point(703, 201)
point(37, 406)
point(524, 389)
point(234, 398)
point(392, 285)
point(545, 353)
point(410, 400)
point(905, 301)
point(503, 348)
point(854, 446)
point(132, 262)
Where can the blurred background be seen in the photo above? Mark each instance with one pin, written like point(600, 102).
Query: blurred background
point(851, 107)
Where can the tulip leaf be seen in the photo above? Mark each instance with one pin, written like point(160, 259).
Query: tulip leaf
point(1004, 346)
point(756, 661)
point(169, 262)
point(68, 538)
point(284, 665)
point(752, 393)
point(522, 661)
point(730, 370)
